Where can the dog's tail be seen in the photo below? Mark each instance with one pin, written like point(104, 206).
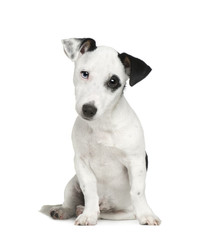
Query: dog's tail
point(47, 208)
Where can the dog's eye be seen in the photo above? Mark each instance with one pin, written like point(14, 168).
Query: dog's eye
point(84, 74)
point(113, 83)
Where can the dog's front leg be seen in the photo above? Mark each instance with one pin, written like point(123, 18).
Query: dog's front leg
point(88, 184)
point(137, 173)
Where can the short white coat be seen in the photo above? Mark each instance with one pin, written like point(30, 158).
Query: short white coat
point(109, 148)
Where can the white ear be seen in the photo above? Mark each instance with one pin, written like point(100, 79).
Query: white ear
point(73, 47)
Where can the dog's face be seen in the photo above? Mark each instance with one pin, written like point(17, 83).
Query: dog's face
point(100, 76)
point(99, 79)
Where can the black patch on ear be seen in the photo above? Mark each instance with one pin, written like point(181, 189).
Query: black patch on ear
point(135, 68)
point(87, 45)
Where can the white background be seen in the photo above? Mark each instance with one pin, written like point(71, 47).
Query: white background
point(37, 111)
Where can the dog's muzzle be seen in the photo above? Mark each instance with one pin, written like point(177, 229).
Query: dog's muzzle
point(88, 111)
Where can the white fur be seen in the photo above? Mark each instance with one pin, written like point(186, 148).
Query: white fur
point(109, 149)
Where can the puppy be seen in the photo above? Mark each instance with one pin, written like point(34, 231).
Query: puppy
point(110, 158)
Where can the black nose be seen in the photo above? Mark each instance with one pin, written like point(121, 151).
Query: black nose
point(89, 110)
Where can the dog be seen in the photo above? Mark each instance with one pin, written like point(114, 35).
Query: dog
point(108, 141)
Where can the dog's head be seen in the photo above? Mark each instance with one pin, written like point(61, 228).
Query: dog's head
point(100, 75)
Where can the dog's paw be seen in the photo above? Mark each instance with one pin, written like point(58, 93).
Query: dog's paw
point(60, 213)
point(79, 210)
point(86, 219)
point(151, 220)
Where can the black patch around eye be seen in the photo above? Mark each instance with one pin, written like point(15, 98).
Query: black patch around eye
point(113, 83)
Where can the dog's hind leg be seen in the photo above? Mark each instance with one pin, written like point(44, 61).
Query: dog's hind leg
point(72, 197)
point(57, 211)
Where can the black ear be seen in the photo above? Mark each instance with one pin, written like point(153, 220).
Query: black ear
point(135, 68)
point(87, 44)
point(74, 47)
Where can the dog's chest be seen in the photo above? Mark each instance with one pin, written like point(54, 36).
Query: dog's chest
point(105, 157)
point(111, 174)
point(103, 138)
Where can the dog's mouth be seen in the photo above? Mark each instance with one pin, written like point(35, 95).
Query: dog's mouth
point(87, 118)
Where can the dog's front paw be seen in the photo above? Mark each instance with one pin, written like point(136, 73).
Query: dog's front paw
point(86, 219)
point(149, 220)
